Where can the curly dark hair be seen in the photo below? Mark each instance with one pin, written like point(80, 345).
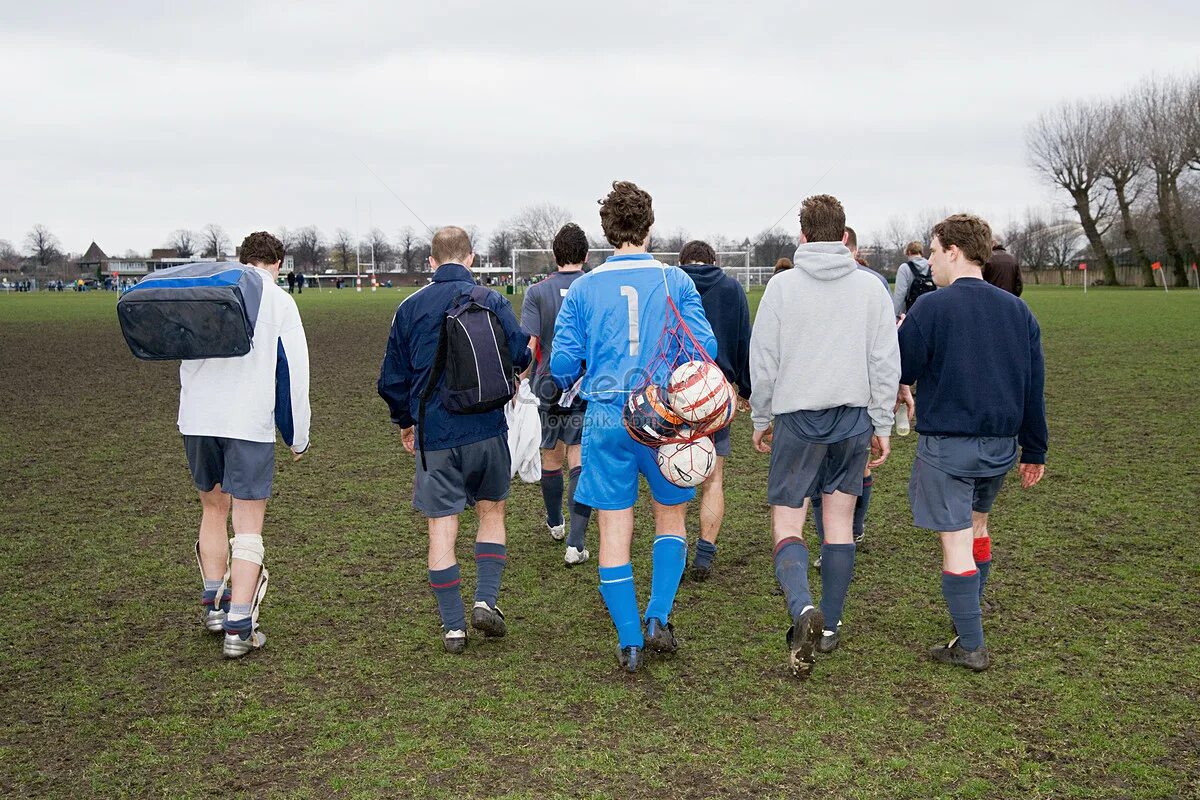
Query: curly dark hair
point(697, 252)
point(626, 214)
point(570, 245)
point(822, 219)
point(261, 248)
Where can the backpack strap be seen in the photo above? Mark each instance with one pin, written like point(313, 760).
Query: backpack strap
point(435, 376)
point(479, 294)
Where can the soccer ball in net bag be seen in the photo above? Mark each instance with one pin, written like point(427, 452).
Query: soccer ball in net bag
point(687, 464)
point(698, 390)
point(649, 420)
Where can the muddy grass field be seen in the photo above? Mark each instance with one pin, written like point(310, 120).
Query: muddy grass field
point(109, 686)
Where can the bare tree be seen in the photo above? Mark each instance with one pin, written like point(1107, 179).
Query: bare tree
point(771, 245)
point(308, 248)
point(1122, 161)
point(412, 250)
point(43, 247)
point(378, 245)
point(675, 240)
point(287, 239)
point(1158, 107)
point(500, 246)
point(1062, 241)
point(1066, 146)
point(536, 226)
point(214, 240)
point(10, 259)
point(183, 242)
point(342, 252)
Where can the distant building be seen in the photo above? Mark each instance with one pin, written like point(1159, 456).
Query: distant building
point(94, 261)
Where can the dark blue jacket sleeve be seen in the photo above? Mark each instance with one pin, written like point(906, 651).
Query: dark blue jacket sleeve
point(692, 310)
point(914, 351)
point(1034, 436)
point(741, 356)
point(395, 376)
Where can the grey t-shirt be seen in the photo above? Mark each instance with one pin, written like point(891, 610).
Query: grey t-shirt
point(827, 425)
point(539, 312)
point(969, 456)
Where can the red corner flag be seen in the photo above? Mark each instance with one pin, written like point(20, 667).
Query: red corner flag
point(1156, 265)
point(1083, 265)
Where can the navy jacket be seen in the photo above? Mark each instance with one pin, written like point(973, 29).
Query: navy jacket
point(728, 312)
point(975, 352)
point(412, 346)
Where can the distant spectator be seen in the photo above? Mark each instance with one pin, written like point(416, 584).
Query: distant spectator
point(291, 279)
point(852, 245)
point(1003, 270)
point(914, 270)
point(300, 283)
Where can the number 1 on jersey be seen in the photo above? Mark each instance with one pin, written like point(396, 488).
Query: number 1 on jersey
point(631, 298)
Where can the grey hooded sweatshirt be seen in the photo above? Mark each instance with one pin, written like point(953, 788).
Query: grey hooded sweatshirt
point(824, 336)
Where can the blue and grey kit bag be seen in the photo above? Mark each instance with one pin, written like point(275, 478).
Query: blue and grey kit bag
point(205, 310)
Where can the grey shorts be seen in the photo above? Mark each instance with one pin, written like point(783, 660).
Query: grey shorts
point(244, 469)
point(944, 502)
point(565, 428)
point(801, 468)
point(459, 476)
point(721, 442)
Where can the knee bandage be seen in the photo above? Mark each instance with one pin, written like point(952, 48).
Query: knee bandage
point(247, 547)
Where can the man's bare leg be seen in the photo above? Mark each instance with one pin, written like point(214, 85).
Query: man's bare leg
point(712, 514)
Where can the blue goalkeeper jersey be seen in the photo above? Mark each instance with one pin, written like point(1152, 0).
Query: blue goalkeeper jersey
point(613, 319)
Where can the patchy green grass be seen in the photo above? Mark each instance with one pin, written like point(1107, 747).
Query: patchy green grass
point(109, 687)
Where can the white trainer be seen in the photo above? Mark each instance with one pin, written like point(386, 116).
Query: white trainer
point(576, 556)
point(557, 532)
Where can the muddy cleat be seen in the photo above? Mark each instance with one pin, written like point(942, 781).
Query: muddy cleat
point(576, 556)
point(700, 573)
point(829, 640)
point(454, 641)
point(215, 604)
point(557, 532)
point(956, 655)
point(630, 658)
point(244, 635)
point(802, 641)
point(488, 620)
point(659, 637)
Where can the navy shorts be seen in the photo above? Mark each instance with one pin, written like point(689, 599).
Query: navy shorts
point(800, 468)
point(244, 469)
point(944, 502)
point(721, 441)
point(458, 477)
point(566, 428)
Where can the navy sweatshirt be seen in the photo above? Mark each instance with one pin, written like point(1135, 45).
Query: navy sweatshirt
point(728, 312)
point(412, 346)
point(975, 352)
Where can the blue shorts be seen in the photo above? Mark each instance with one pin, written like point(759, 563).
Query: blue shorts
point(243, 469)
point(944, 502)
point(612, 461)
point(721, 442)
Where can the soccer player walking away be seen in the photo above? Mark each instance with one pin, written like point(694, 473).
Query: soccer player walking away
point(728, 313)
point(975, 353)
point(464, 459)
point(229, 409)
point(612, 319)
point(825, 362)
point(912, 279)
point(562, 415)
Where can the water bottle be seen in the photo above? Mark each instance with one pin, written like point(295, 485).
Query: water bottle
point(902, 428)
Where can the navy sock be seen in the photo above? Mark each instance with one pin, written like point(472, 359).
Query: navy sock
point(983, 561)
point(616, 587)
point(818, 518)
point(669, 557)
point(861, 505)
point(445, 586)
point(962, 598)
point(489, 566)
point(837, 569)
point(580, 515)
point(552, 494)
point(705, 551)
point(791, 570)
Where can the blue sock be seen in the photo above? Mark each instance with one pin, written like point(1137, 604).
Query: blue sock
point(861, 505)
point(791, 570)
point(552, 493)
point(616, 587)
point(962, 598)
point(239, 621)
point(580, 514)
point(837, 569)
point(818, 518)
point(445, 585)
point(669, 559)
point(705, 551)
point(490, 559)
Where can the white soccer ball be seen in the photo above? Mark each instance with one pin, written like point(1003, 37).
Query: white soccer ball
point(698, 390)
point(687, 464)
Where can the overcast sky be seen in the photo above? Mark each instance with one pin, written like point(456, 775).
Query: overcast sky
point(125, 121)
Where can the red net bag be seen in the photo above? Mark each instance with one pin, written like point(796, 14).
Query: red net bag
point(682, 394)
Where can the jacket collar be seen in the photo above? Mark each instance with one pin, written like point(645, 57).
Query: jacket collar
point(452, 272)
